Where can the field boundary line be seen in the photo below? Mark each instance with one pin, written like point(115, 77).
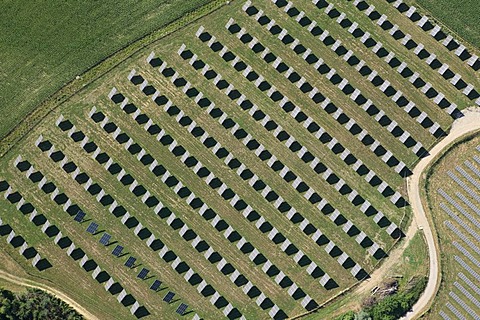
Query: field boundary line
point(95, 72)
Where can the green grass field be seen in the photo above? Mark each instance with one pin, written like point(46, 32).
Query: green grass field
point(460, 16)
point(283, 184)
point(45, 45)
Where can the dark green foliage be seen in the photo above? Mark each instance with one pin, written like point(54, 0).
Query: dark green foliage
point(34, 304)
point(395, 306)
point(6, 298)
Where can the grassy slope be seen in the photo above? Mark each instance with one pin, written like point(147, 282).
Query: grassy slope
point(460, 16)
point(43, 46)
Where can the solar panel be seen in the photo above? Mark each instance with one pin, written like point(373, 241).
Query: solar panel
point(79, 216)
point(181, 309)
point(92, 228)
point(169, 296)
point(143, 273)
point(155, 285)
point(130, 262)
point(105, 239)
point(117, 251)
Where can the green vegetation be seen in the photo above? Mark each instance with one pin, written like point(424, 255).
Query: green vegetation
point(395, 306)
point(34, 304)
point(44, 45)
point(389, 307)
point(461, 16)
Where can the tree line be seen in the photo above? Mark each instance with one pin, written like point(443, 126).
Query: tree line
point(34, 304)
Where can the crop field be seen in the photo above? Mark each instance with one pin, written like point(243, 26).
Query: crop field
point(454, 197)
point(45, 46)
point(460, 16)
point(250, 165)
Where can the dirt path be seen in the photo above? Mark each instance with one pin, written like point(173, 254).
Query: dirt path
point(465, 125)
point(32, 284)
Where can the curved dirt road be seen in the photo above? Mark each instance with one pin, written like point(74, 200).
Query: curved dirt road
point(32, 284)
point(462, 126)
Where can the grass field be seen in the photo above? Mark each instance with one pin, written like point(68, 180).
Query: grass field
point(461, 17)
point(453, 274)
point(247, 174)
point(45, 45)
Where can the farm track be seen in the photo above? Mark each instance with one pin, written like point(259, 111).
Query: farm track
point(57, 293)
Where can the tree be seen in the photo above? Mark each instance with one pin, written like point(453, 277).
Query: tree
point(6, 298)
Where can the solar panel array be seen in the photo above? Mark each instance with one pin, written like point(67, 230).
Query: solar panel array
point(464, 302)
point(285, 95)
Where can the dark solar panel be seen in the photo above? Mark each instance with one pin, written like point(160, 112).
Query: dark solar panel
point(117, 251)
point(92, 228)
point(130, 262)
point(181, 309)
point(105, 239)
point(169, 296)
point(155, 285)
point(143, 273)
point(79, 216)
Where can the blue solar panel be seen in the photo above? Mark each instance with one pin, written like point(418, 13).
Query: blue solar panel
point(92, 228)
point(143, 273)
point(105, 239)
point(169, 296)
point(117, 251)
point(155, 285)
point(79, 216)
point(181, 309)
point(130, 262)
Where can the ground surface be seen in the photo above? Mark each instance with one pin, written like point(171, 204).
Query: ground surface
point(461, 16)
point(280, 196)
point(43, 46)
